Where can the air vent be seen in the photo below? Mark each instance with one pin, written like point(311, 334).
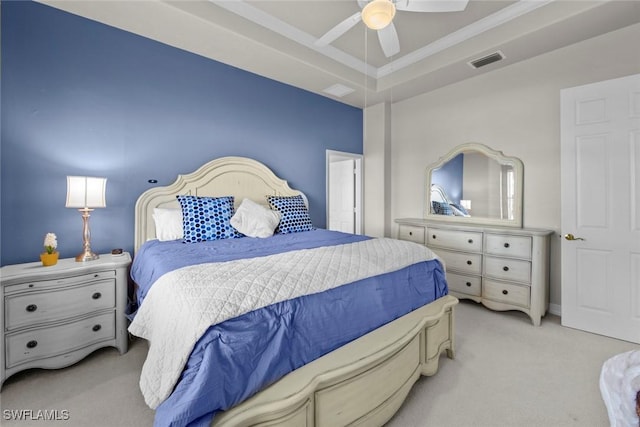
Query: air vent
point(486, 60)
point(338, 90)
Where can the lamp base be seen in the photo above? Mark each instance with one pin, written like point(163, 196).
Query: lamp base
point(87, 256)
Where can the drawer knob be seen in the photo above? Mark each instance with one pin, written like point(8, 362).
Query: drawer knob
point(96, 328)
point(506, 245)
point(470, 241)
point(31, 308)
point(97, 295)
point(434, 236)
point(411, 233)
point(505, 292)
point(469, 284)
point(505, 268)
point(32, 344)
point(96, 275)
point(469, 262)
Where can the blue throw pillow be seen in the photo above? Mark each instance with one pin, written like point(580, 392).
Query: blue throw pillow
point(294, 215)
point(207, 218)
point(440, 208)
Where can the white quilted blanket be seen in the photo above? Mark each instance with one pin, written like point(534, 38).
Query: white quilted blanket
point(182, 304)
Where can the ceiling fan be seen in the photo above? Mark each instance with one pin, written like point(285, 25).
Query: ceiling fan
point(378, 15)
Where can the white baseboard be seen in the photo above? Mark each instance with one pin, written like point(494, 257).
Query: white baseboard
point(555, 309)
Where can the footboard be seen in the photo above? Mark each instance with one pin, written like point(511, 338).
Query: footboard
point(363, 382)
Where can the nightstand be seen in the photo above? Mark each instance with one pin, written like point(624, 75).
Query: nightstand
point(52, 317)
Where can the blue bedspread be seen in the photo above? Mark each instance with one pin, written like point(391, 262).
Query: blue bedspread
point(235, 359)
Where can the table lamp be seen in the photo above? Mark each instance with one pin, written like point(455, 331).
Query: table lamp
point(86, 193)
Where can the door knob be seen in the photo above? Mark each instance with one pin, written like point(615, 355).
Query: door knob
point(572, 237)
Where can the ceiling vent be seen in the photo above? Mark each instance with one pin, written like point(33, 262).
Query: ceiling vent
point(338, 90)
point(486, 60)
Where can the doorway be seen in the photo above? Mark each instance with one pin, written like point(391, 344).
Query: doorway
point(344, 191)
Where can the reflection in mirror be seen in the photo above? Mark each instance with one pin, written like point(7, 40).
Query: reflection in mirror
point(474, 183)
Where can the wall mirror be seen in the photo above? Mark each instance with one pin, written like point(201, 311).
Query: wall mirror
point(477, 185)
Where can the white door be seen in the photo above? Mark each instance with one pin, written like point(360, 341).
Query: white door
point(342, 196)
point(600, 156)
point(344, 191)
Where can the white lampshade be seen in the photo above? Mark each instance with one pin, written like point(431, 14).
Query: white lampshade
point(377, 14)
point(86, 192)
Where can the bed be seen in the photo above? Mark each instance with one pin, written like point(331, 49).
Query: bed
point(356, 342)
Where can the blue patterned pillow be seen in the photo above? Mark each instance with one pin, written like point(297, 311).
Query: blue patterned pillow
point(440, 208)
point(294, 216)
point(207, 218)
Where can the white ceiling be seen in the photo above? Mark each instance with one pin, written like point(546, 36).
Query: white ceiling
point(276, 38)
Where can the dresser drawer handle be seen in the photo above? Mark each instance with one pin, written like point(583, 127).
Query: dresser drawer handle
point(469, 284)
point(96, 275)
point(469, 262)
point(470, 241)
point(411, 233)
point(31, 308)
point(505, 268)
point(434, 236)
point(505, 292)
point(32, 344)
point(97, 295)
point(506, 245)
point(96, 328)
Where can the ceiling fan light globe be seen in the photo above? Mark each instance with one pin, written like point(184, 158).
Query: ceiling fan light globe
point(377, 14)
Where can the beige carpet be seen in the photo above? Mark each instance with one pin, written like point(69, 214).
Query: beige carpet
point(506, 373)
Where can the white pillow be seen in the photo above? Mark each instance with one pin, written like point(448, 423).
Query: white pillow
point(255, 220)
point(168, 224)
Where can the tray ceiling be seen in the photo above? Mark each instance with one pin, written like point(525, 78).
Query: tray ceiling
point(276, 39)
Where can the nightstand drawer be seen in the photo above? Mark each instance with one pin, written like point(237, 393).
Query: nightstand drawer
point(470, 285)
point(62, 282)
point(513, 246)
point(51, 341)
point(411, 233)
point(450, 239)
point(31, 308)
point(507, 293)
point(507, 269)
point(461, 262)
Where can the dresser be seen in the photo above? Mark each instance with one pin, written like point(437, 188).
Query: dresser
point(52, 317)
point(503, 268)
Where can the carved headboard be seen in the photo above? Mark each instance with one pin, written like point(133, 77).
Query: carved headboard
point(240, 177)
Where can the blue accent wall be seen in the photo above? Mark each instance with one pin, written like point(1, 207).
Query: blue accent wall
point(83, 98)
point(449, 177)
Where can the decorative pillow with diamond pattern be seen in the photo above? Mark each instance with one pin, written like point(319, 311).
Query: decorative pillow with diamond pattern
point(294, 215)
point(207, 218)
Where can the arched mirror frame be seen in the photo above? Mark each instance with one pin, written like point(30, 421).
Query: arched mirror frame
point(518, 168)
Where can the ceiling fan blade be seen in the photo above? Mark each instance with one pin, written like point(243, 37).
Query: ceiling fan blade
point(432, 5)
point(338, 30)
point(389, 40)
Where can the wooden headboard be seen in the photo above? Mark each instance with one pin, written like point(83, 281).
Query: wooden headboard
point(240, 177)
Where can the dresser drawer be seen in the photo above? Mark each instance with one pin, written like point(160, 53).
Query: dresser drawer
point(31, 308)
point(503, 244)
point(51, 341)
point(507, 293)
point(411, 233)
point(461, 262)
point(62, 282)
point(507, 269)
point(453, 239)
point(470, 285)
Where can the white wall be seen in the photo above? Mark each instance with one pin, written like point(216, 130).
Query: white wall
point(515, 110)
point(377, 170)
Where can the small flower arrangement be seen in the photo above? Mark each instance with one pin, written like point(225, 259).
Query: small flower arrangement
point(50, 243)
